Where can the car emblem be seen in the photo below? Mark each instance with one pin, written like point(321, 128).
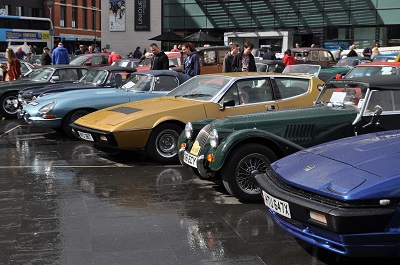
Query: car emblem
point(308, 168)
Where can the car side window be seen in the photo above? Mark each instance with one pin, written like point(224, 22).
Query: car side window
point(313, 55)
point(291, 87)
point(95, 60)
point(231, 94)
point(165, 83)
point(388, 100)
point(69, 75)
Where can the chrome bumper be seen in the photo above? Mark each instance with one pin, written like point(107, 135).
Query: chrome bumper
point(200, 163)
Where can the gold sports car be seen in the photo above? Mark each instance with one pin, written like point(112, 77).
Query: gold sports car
point(154, 125)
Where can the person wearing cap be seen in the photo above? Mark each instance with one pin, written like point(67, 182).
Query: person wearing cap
point(60, 55)
point(45, 58)
point(81, 50)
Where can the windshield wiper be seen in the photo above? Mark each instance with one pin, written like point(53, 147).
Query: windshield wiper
point(197, 95)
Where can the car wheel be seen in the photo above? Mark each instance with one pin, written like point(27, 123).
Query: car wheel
point(9, 105)
point(70, 118)
point(240, 169)
point(163, 143)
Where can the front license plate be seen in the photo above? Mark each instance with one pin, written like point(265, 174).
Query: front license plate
point(190, 159)
point(278, 206)
point(86, 136)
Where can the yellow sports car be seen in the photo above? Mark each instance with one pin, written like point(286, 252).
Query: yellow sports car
point(154, 125)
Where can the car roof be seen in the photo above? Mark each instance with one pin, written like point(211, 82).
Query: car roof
point(116, 68)
point(93, 54)
point(379, 82)
point(394, 64)
point(160, 72)
point(58, 66)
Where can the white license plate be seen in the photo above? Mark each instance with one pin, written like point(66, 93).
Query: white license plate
point(190, 159)
point(86, 136)
point(278, 206)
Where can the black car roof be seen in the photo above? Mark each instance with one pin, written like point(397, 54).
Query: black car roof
point(180, 76)
point(389, 82)
point(58, 66)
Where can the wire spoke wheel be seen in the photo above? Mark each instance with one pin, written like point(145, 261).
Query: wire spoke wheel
point(246, 170)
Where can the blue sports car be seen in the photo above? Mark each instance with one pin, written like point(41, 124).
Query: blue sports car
point(342, 195)
point(59, 110)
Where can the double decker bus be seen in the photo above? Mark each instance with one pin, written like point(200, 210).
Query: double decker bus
point(23, 31)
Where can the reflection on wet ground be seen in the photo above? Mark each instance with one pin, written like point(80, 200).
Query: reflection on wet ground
point(62, 202)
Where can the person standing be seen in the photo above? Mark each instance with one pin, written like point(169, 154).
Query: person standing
point(269, 55)
point(175, 48)
point(12, 70)
point(60, 55)
point(45, 58)
point(228, 59)
point(288, 58)
point(90, 49)
point(375, 52)
point(137, 53)
point(352, 52)
point(191, 66)
point(113, 56)
point(81, 50)
point(367, 52)
point(20, 53)
point(160, 60)
point(244, 61)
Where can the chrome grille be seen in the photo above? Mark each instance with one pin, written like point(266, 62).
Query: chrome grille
point(203, 135)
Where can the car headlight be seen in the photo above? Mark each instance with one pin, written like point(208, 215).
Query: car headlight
point(214, 138)
point(46, 108)
point(189, 130)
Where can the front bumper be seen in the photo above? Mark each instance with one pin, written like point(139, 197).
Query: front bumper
point(200, 163)
point(39, 121)
point(352, 230)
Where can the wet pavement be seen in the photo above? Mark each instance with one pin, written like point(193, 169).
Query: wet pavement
point(62, 202)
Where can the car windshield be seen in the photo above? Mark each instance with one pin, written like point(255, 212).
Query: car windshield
point(79, 60)
point(371, 71)
point(138, 83)
point(306, 69)
point(345, 95)
point(347, 62)
point(41, 74)
point(94, 76)
point(201, 87)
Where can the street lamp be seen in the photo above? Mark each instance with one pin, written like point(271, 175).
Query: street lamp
point(50, 4)
point(95, 9)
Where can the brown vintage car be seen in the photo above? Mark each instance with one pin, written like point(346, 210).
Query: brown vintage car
point(311, 55)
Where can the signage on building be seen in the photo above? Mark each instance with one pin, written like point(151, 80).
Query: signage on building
point(142, 15)
point(117, 15)
point(19, 35)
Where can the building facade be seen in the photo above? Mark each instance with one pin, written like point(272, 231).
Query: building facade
point(275, 23)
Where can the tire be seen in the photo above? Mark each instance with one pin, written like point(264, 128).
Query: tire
point(9, 105)
point(163, 141)
point(242, 166)
point(70, 118)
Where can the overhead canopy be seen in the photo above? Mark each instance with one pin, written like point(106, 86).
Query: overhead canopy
point(201, 37)
point(167, 36)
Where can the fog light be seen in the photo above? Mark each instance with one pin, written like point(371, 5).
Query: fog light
point(183, 145)
point(318, 217)
point(103, 138)
point(210, 158)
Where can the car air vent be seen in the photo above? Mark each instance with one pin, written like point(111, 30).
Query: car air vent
point(298, 132)
point(125, 110)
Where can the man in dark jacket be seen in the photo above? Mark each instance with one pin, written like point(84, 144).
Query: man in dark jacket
point(45, 58)
point(269, 55)
point(227, 64)
point(160, 60)
point(244, 61)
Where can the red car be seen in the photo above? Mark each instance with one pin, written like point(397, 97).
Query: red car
point(91, 59)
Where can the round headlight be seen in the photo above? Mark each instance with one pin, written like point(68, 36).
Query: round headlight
point(46, 108)
point(189, 130)
point(214, 138)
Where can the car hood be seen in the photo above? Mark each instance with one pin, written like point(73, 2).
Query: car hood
point(143, 114)
point(55, 87)
point(84, 93)
point(354, 168)
point(21, 82)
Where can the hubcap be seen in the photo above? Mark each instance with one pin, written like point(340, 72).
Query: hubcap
point(11, 105)
point(166, 143)
point(247, 169)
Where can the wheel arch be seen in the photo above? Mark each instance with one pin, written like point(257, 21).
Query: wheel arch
point(176, 122)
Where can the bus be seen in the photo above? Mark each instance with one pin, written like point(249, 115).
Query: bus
point(23, 31)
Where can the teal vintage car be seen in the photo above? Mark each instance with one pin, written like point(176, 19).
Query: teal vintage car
point(237, 148)
point(59, 110)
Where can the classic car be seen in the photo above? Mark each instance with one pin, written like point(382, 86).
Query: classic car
point(126, 62)
point(155, 124)
point(311, 55)
point(270, 66)
point(107, 76)
point(91, 59)
point(41, 76)
point(58, 111)
point(352, 61)
point(341, 196)
point(386, 57)
point(173, 57)
point(238, 147)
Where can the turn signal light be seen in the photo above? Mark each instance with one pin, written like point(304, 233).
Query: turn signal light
point(183, 145)
point(210, 158)
point(49, 116)
point(318, 217)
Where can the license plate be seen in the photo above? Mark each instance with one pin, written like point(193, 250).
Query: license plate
point(190, 159)
point(85, 136)
point(277, 205)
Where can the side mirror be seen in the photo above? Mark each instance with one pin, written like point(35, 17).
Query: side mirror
point(229, 103)
point(377, 112)
point(55, 78)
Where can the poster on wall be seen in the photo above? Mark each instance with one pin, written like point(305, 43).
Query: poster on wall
point(117, 15)
point(142, 15)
